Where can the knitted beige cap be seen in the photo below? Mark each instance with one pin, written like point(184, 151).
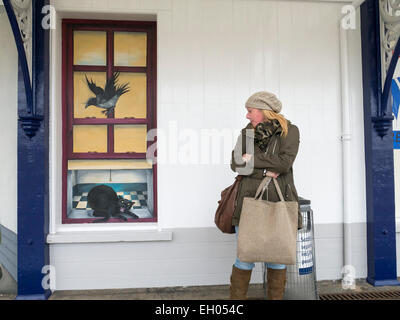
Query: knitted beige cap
point(264, 100)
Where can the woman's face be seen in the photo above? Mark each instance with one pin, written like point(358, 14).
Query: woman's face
point(255, 116)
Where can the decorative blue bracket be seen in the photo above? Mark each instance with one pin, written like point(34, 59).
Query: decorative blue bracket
point(383, 122)
point(30, 121)
point(389, 78)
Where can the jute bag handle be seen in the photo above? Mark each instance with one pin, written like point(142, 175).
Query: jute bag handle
point(263, 185)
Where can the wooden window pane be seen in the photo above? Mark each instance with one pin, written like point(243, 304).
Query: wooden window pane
point(132, 104)
point(82, 94)
point(130, 138)
point(130, 49)
point(90, 138)
point(90, 48)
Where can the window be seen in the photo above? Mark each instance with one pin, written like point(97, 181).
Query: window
point(109, 105)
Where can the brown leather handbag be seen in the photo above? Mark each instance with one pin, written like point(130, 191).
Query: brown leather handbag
point(226, 207)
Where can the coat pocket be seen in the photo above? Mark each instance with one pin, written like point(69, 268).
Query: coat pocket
point(289, 195)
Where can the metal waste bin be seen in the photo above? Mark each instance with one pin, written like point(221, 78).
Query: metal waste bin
point(301, 279)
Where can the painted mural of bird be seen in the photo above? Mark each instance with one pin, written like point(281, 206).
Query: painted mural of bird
point(106, 98)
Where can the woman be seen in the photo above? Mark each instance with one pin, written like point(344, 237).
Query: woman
point(276, 143)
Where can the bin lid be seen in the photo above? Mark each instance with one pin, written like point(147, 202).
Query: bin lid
point(303, 201)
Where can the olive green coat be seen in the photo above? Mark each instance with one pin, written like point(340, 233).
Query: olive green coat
point(278, 157)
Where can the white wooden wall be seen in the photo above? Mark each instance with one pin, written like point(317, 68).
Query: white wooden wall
point(212, 55)
point(8, 125)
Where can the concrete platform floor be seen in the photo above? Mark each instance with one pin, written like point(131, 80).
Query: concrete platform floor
point(197, 293)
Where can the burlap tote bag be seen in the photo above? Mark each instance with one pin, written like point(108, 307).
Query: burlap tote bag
point(268, 230)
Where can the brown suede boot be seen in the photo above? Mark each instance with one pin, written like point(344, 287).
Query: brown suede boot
point(276, 282)
point(240, 280)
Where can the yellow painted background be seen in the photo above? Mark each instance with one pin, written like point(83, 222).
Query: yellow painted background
point(108, 164)
point(130, 138)
point(130, 49)
point(133, 103)
point(90, 138)
point(90, 48)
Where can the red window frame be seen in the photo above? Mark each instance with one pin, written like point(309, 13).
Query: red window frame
point(68, 69)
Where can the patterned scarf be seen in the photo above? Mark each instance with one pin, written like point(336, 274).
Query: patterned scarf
point(263, 133)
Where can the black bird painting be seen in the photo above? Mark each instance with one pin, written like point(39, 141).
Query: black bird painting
point(106, 98)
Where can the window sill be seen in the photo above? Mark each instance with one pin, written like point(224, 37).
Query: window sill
point(109, 236)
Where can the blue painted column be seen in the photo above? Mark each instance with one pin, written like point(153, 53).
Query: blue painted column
point(33, 169)
point(381, 224)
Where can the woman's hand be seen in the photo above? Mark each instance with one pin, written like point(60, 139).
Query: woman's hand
point(246, 157)
point(272, 174)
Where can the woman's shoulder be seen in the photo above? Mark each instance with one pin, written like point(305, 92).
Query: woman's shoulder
point(292, 126)
point(293, 134)
point(248, 126)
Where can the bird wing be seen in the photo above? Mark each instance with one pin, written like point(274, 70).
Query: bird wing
point(121, 89)
point(92, 86)
point(111, 89)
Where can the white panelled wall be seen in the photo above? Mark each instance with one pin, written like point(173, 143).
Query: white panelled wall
point(214, 54)
point(8, 124)
point(211, 56)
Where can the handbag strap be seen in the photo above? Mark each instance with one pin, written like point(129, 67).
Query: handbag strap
point(263, 185)
point(261, 188)
point(278, 189)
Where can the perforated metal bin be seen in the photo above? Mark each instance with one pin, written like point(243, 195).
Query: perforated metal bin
point(301, 279)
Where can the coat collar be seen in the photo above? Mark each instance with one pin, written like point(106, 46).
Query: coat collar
point(249, 126)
